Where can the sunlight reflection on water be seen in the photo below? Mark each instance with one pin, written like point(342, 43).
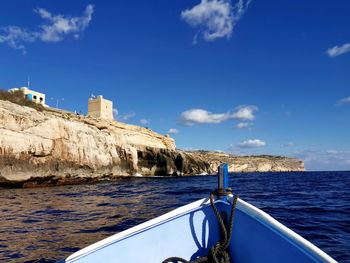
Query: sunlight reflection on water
point(48, 224)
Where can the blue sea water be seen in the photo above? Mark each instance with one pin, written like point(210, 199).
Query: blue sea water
point(48, 224)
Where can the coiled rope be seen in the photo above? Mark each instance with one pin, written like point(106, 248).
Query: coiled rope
point(218, 253)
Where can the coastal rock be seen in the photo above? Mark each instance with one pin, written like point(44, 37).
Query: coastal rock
point(59, 147)
point(259, 163)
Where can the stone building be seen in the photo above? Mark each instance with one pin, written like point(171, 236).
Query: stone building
point(32, 95)
point(100, 108)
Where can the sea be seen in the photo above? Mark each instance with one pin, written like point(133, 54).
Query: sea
point(48, 224)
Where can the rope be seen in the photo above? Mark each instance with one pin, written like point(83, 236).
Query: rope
point(218, 253)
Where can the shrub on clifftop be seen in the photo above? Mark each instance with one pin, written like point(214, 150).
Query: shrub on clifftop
point(18, 97)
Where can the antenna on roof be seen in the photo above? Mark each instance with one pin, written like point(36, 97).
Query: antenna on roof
point(28, 82)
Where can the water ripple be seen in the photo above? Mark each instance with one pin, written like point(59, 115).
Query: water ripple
point(48, 224)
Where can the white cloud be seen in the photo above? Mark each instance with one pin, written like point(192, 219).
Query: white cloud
point(215, 18)
point(14, 37)
point(343, 101)
point(200, 116)
point(320, 160)
point(245, 113)
point(243, 125)
point(332, 152)
point(252, 143)
point(115, 113)
point(126, 116)
point(144, 121)
point(60, 25)
point(190, 149)
point(54, 29)
point(338, 50)
point(173, 131)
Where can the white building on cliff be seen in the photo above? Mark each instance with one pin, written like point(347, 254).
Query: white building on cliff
point(32, 95)
point(100, 108)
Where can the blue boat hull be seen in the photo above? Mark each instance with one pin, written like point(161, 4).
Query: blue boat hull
point(190, 231)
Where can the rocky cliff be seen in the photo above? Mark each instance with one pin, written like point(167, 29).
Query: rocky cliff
point(57, 147)
point(259, 163)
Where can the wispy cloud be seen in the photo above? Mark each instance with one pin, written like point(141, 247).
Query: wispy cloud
point(333, 152)
point(144, 121)
point(245, 113)
point(324, 160)
point(338, 50)
point(115, 113)
point(200, 116)
point(14, 36)
point(55, 28)
point(252, 143)
point(126, 116)
point(173, 131)
point(343, 101)
point(215, 18)
point(58, 26)
point(243, 125)
point(288, 144)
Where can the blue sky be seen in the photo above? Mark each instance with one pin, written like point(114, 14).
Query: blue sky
point(247, 77)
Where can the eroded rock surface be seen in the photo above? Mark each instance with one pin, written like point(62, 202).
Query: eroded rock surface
point(57, 147)
point(259, 163)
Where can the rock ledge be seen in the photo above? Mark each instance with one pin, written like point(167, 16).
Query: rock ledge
point(57, 147)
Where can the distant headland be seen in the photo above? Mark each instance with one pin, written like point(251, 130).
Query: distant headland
point(47, 146)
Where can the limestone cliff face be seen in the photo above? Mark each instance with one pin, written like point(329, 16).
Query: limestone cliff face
point(261, 163)
point(60, 147)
